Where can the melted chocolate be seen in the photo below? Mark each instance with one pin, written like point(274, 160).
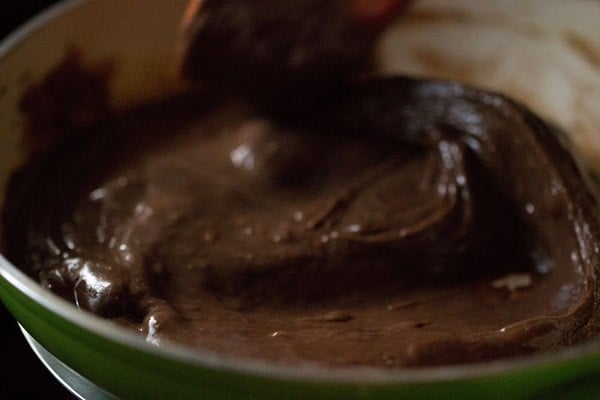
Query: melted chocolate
point(399, 223)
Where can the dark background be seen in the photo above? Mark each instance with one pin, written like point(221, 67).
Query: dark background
point(22, 376)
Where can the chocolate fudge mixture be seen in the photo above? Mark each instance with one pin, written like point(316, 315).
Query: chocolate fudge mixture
point(404, 223)
point(389, 223)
